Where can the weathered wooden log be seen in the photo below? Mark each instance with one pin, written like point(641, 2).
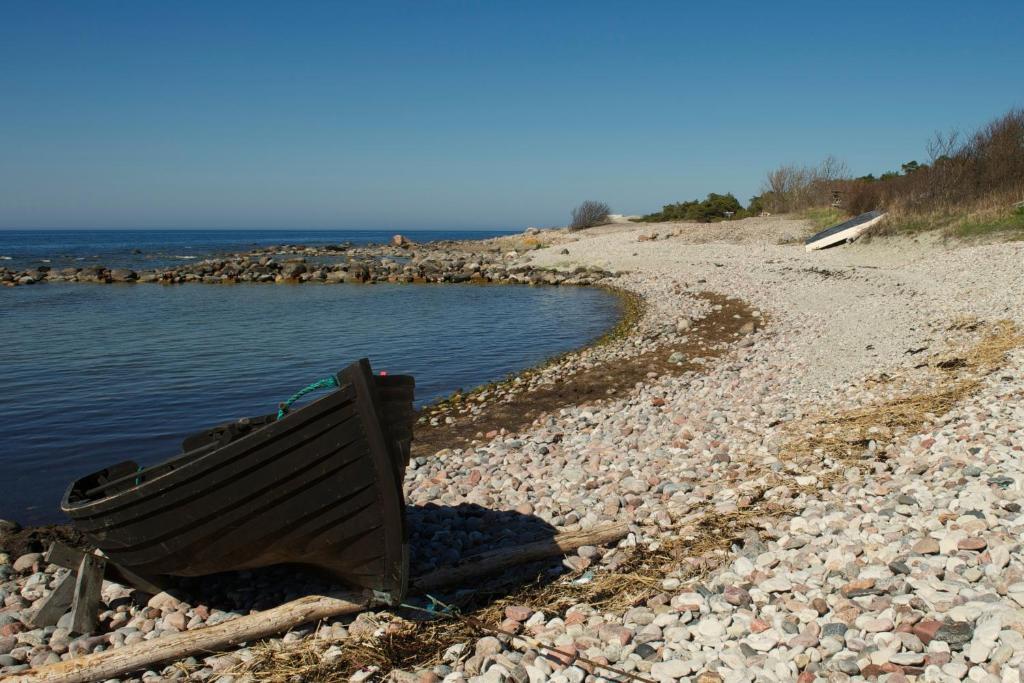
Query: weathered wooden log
point(492, 561)
point(119, 661)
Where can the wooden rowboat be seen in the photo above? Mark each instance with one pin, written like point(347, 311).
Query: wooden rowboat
point(320, 486)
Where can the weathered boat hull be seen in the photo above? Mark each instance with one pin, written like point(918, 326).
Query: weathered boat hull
point(320, 487)
point(846, 231)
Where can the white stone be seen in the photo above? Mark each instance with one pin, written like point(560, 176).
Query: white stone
point(978, 653)
point(711, 628)
point(675, 668)
point(776, 584)
point(764, 641)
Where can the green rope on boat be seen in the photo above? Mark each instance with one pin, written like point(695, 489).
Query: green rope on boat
point(325, 383)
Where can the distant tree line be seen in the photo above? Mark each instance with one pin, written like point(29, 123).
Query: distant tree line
point(964, 173)
point(715, 207)
point(975, 180)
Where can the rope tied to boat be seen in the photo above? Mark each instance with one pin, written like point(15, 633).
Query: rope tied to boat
point(325, 383)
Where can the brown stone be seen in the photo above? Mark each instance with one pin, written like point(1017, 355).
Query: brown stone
point(926, 628)
point(11, 629)
point(975, 544)
point(859, 588)
point(709, 677)
point(926, 546)
point(734, 595)
point(875, 670)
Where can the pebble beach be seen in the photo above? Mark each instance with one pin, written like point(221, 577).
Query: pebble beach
point(829, 489)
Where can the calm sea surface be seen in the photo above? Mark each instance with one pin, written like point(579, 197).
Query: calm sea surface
point(95, 374)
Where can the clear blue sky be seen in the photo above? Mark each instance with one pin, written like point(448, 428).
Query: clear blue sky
point(467, 114)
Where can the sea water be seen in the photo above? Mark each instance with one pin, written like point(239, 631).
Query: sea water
point(96, 374)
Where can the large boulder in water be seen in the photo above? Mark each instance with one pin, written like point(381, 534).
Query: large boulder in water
point(293, 270)
point(93, 274)
point(8, 527)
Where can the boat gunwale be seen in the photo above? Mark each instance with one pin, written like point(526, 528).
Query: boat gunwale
point(192, 467)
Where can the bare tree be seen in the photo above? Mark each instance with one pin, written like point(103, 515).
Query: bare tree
point(943, 145)
point(588, 214)
point(792, 187)
point(832, 169)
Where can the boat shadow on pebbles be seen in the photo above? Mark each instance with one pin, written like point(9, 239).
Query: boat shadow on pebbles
point(440, 536)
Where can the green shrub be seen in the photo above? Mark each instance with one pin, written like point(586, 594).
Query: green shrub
point(714, 207)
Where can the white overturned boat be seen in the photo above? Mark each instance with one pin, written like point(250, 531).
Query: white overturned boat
point(844, 232)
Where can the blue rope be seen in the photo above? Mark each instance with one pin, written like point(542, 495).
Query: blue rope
point(325, 383)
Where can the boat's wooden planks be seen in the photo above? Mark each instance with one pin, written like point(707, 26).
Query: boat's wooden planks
point(321, 487)
point(247, 456)
point(228, 522)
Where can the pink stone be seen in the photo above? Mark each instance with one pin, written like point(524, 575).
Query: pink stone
point(759, 625)
point(511, 626)
point(518, 612)
point(575, 618)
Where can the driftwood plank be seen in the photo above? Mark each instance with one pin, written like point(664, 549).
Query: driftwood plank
point(54, 605)
point(490, 562)
point(64, 555)
point(70, 558)
point(121, 660)
point(86, 605)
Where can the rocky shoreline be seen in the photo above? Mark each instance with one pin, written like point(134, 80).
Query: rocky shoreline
point(400, 262)
point(834, 495)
